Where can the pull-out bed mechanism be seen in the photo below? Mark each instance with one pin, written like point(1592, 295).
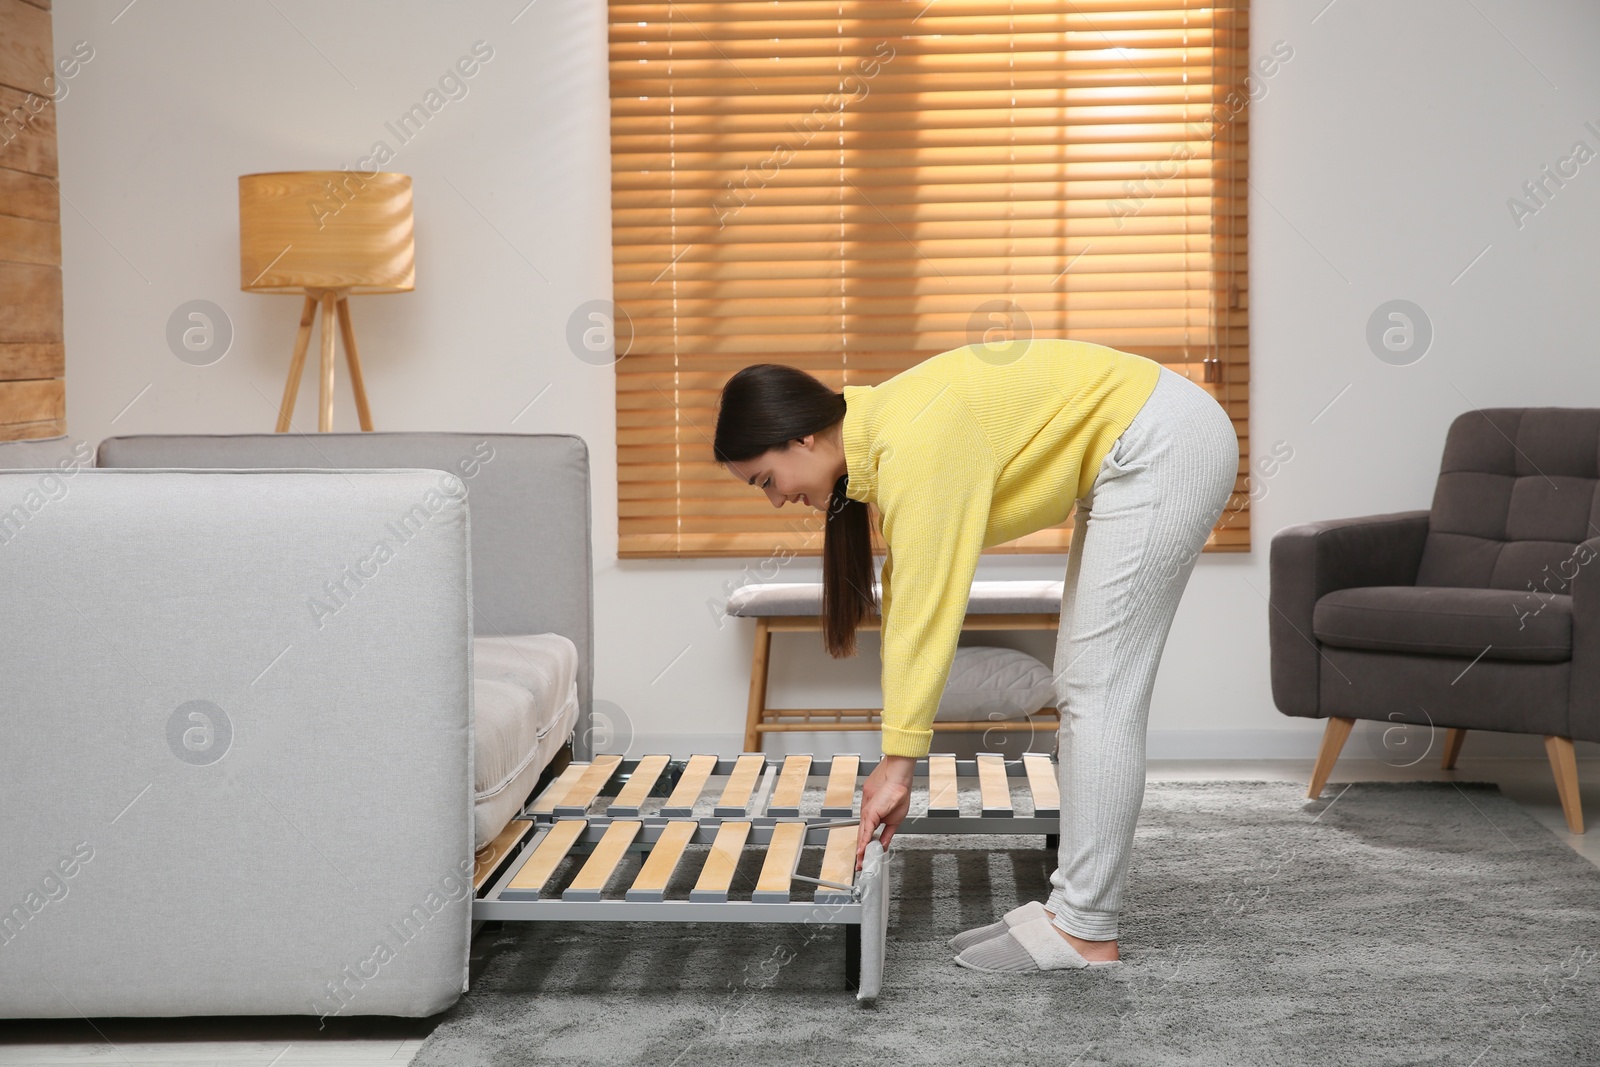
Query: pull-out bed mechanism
point(661, 819)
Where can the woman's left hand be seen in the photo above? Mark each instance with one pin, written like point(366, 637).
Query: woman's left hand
point(885, 800)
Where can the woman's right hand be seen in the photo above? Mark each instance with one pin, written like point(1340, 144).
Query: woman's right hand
point(885, 800)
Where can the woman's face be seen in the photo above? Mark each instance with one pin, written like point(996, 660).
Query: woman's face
point(803, 473)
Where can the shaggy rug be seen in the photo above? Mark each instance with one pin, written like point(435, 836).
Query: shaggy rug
point(1383, 923)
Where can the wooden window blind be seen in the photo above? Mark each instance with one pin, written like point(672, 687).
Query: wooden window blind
point(852, 187)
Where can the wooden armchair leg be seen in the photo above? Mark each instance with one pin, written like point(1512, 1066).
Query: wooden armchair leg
point(758, 686)
point(1452, 748)
point(1333, 739)
point(1564, 764)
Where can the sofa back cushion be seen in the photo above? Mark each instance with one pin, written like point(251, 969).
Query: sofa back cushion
point(61, 452)
point(527, 495)
point(1516, 494)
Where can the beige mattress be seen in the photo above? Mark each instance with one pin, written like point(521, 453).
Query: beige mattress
point(525, 694)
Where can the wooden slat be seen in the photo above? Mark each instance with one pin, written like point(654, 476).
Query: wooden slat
point(28, 196)
point(489, 857)
point(25, 59)
point(777, 870)
point(534, 874)
point(992, 784)
point(631, 796)
point(690, 783)
point(32, 360)
point(31, 308)
point(1043, 784)
point(791, 786)
point(33, 145)
point(651, 883)
point(838, 859)
point(30, 240)
point(24, 431)
point(839, 799)
point(943, 799)
point(35, 401)
point(735, 799)
point(545, 803)
point(589, 783)
point(717, 874)
point(590, 881)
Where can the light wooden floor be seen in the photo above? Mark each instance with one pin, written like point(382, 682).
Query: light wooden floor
point(295, 1041)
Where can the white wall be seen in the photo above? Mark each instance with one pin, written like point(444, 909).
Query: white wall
point(1383, 156)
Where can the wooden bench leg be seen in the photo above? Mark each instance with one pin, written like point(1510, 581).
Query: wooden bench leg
point(1333, 739)
point(758, 687)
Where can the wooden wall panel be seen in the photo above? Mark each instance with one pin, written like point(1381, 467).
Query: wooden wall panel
point(27, 127)
point(30, 309)
point(29, 196)
point(32, 355)
point(32, 360)
point(24, 46)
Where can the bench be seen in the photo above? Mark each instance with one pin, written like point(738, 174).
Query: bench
point(796, 607)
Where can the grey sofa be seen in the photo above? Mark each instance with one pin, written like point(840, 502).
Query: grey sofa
point(1479, 613)
point(266, 695)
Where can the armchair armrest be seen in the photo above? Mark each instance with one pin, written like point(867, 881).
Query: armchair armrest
point(1311, 559)
point(1584, 707)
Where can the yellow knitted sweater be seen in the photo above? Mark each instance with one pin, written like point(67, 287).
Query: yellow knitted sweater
point(968, 449)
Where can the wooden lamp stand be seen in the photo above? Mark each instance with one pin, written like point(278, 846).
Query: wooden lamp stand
point(335, 304)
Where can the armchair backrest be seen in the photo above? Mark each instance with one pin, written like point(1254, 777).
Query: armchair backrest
point(1516, 495)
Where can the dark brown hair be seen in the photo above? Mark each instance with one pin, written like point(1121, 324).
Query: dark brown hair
point(769, 405)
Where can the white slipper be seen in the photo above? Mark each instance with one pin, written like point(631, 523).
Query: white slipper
point(1033, 909)
point(1031, 945)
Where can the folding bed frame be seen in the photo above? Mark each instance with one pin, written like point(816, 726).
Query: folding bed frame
point(560, 858)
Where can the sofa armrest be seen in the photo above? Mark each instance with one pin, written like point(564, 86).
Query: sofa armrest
point(239, 741)
point(1311, 559)
point(1584, 686)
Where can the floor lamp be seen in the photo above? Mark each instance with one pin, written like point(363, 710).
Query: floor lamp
point(327, 234)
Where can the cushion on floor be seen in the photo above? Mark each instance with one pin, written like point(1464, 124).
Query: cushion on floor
point(1512, 624)
point(994, 683)
point(525, 696)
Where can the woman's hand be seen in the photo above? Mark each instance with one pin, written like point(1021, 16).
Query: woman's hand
point(885, 799)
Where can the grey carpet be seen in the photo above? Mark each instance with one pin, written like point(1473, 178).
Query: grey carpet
point(1385, 923)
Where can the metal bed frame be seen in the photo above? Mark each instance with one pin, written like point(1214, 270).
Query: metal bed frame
point(603, 809)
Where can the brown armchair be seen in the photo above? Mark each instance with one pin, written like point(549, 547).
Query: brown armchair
point(1480, 613)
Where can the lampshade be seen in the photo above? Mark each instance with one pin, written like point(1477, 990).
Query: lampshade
point(325, 229)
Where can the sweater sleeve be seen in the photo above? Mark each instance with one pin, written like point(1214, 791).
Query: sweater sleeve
point(934, 493)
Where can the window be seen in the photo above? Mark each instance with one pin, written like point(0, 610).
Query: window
point(851, 188)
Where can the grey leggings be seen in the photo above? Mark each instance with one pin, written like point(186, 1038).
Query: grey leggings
point(1137, 535)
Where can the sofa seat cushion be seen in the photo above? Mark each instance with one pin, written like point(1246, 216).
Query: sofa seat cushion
point(525, 703)
point(1505, 624)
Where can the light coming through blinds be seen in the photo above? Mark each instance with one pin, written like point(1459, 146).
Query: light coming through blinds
point(850, 188)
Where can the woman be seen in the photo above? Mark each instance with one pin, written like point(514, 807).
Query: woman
point(972, 448)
